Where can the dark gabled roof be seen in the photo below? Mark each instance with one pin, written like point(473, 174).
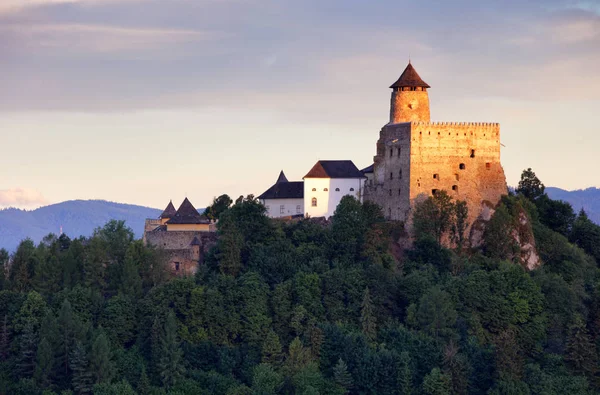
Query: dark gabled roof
point(281, 178)
point(334, 169)
point(410, 78)
point(187, 214)
point(169, 212)
point(195, 241)
point(368, 169)
point(285, 190)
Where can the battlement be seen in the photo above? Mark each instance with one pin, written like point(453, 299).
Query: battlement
point(458, 124)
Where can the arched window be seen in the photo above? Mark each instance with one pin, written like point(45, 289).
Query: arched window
point(337, 189)
point(455, 188)
point(314, 189)
point(351, 189)
point(325, 189)
point(314, 202)
point(461, 166)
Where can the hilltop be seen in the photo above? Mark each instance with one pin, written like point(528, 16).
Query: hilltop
point(77, 218)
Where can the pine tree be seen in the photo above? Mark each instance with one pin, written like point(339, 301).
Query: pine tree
point(45, 364)
point(48, 276)
point(341, 375)
point(580, 353)
point(230, 248)
point(405, 379)
point(82, 377)
point(367, 318)
point(66, 329)
point(28, 350)
point(271, 349)
point(171, 357)
point(298, 357)
point(143, 385)
point(100, 359)
point(437, 383)
point(4, 339)
point(131, 282)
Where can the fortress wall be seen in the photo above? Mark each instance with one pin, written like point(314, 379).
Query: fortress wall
point(465, 157)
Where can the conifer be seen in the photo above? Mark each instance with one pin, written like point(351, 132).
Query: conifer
point(580, 353)
point(100, 359)
point(79, 364)
point(341, 375)
point(367, 318)
point(170, 365)
point(45, 363)
point(271, 349)
point(405, 374)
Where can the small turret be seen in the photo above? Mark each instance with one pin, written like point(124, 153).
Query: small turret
point(410, 100)
point(168, 213)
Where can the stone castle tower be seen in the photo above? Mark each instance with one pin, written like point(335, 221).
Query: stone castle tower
point(417, 158)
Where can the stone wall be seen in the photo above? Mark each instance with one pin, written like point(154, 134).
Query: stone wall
point(414, 160)
point(409, 106)
point(176, 245)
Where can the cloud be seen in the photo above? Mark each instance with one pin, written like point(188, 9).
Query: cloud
point(98, 37)
point(10, 6)
point(21, 198)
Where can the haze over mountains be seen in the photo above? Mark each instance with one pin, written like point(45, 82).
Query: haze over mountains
point(81, 217)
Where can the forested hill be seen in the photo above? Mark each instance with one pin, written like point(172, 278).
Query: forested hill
point(588, 199)
point(77, 217)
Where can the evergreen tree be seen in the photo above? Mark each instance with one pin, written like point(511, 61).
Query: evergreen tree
point(82, 377)
point(405, 377)
point(131, 282)
point(48, 276)
point(437, 383)
point(101, 362)
point(27, 351)
point(298, 357)
point(271, 349)
point(171, 357)
point(4, 257)
point(4, 339)
point(230, 247)
point(580, 353)
point(530, 186)
point(66, 337)
point(23, 266)
point(45, 364)
point(341, 375)
point(367, 316)
point(459, 225)
point(143, 385)
point(265, 380)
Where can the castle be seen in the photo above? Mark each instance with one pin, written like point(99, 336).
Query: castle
point(184, 235)
point(415, 158)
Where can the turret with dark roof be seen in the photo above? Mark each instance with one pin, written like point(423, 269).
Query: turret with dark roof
point(334, 169)
point(169, 212)
point(281, 178)
point(409, 79)
point(187, 214)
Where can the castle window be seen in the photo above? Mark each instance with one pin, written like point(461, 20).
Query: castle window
point(472, 153)
point(314, 202)
point(314, 189)
point(455, 188)
point(456, 176)
point(351, 189)
point(399, 191)
point(488, 165)
point(389, 213)
point(391, 152)
point(176, 266)
point(390, 192)
point(462, 166)
point(399, 150)
point(326, 189)
point(436, 176)
point(434, 191)
point(282, 209)
point(391, 176)
point(337, 189)
point(400, 174)
point(298, 209)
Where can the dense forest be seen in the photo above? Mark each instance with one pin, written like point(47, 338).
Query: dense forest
point(306, 307)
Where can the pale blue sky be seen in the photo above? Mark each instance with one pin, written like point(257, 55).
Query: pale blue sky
point(142, 101)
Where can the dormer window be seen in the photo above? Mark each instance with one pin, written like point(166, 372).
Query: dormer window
point(337, 189)
point(351, 189)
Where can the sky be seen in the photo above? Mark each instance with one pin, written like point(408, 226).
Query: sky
point(143, 101)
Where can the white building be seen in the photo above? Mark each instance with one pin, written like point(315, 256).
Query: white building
point(284, 198)
point(327, 182)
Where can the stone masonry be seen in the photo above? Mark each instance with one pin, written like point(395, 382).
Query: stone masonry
point(417, 158)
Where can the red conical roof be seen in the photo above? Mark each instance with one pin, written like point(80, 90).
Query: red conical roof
point(410, 78)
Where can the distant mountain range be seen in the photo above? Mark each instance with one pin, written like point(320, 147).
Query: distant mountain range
point(77, 218)
point(81, 217)
point(588, 199)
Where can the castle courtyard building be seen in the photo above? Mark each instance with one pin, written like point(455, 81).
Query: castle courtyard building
point(284, 199)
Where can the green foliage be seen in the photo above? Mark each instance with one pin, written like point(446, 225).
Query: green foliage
point(437, 215)
point(305, 307)
point(530, 186)
point(219, 206)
